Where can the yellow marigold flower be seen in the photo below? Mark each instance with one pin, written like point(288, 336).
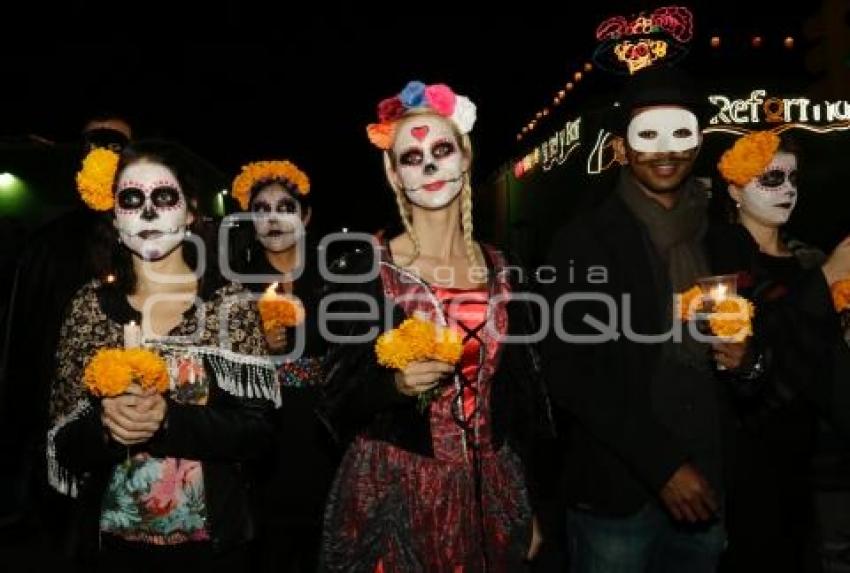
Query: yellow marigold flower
point(108, 374)
point(392, 351)
point(688, 303)
point(96, 177)
point(267, 171)
point(732, 318)
point(749, 157)
point(279, 311)
point(449, 346)
point(149, 368)
point(420, 335)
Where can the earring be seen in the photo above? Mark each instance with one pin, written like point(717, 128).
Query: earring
point(737, 205)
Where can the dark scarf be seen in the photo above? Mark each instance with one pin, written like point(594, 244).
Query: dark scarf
point(676, 233)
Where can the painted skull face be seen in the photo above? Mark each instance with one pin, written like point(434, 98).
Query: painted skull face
point(429, 161)
point(277, 218)
point(151, 213)
point(771, 197)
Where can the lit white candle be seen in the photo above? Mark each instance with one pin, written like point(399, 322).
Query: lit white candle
point(132, 335)
point(718, 293)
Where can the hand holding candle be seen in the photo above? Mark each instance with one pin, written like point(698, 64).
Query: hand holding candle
point(278, 310)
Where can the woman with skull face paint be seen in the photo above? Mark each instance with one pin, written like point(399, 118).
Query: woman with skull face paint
point(437, 477)
point(160, 478)
point(769, 517)
point(294, 485)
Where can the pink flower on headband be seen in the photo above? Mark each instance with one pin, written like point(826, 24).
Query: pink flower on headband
point(441, 99)
point(390, 109)
point(416, 95)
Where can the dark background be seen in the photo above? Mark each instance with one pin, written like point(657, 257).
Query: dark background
point(301, 81)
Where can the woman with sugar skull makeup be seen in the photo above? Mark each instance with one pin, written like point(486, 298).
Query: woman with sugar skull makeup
point(294, 485)
point(770, 499)
point(160, 479)
point(437, 477)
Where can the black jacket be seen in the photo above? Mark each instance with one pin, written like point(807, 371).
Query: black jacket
point(228, 434)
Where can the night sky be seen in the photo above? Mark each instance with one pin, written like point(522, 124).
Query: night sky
point(281, 83)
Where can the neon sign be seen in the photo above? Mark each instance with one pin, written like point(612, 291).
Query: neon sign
point(758, 108)
point(552, 152)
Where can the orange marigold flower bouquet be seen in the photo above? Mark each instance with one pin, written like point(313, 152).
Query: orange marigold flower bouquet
point(418, 339)
point(112, 371)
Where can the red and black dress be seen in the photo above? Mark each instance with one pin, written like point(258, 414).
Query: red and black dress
point(442, 489)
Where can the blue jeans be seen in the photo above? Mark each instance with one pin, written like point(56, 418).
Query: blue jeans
point(647, 542)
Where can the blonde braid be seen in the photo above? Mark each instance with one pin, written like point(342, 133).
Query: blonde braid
point(404, 213)
point(466, 220)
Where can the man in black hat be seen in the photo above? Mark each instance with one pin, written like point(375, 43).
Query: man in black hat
point(644, 463)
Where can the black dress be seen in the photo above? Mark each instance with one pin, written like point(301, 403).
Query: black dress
point(292, 492)
point(770, 516)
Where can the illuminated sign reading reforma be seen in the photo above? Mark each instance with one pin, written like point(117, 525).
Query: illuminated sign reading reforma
point(758, 108)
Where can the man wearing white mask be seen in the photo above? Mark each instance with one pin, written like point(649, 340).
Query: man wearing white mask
point(644, 460)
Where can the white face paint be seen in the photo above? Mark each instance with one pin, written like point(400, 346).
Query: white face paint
point(151, 213)
point(663, 129)
point(771, 197)
point(429, 161)
point(277, 218)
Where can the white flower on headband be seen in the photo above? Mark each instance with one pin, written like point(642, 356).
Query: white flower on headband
point(464, 114)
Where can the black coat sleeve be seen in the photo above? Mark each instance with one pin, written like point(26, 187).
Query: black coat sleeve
point(357, 388)
point(228, 430)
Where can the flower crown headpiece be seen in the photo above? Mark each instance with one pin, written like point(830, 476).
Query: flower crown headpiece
point(96, 178)
point(749, 157)
point(437, 97)
point(268, 171)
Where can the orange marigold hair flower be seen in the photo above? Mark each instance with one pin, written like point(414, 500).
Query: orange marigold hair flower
point(268, 171)
point(841, 295)
point(96, 178)
point(749, 157)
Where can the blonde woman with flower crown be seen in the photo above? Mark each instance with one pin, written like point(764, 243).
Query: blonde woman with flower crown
point(161, 479)
point(437, 475)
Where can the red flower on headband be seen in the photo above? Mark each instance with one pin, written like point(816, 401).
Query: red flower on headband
point(441, 98)
point(390, 109)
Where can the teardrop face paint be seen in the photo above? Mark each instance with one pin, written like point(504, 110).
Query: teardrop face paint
point(771, 197)
point(429, 161)
point(151, 213)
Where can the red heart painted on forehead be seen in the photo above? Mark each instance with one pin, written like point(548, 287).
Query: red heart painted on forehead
point(420, 132)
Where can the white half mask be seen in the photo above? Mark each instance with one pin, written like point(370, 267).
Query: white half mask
point(151, 213)
point(771, 197)
point(663, 129)
point(277, 218)
point(430, 164)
